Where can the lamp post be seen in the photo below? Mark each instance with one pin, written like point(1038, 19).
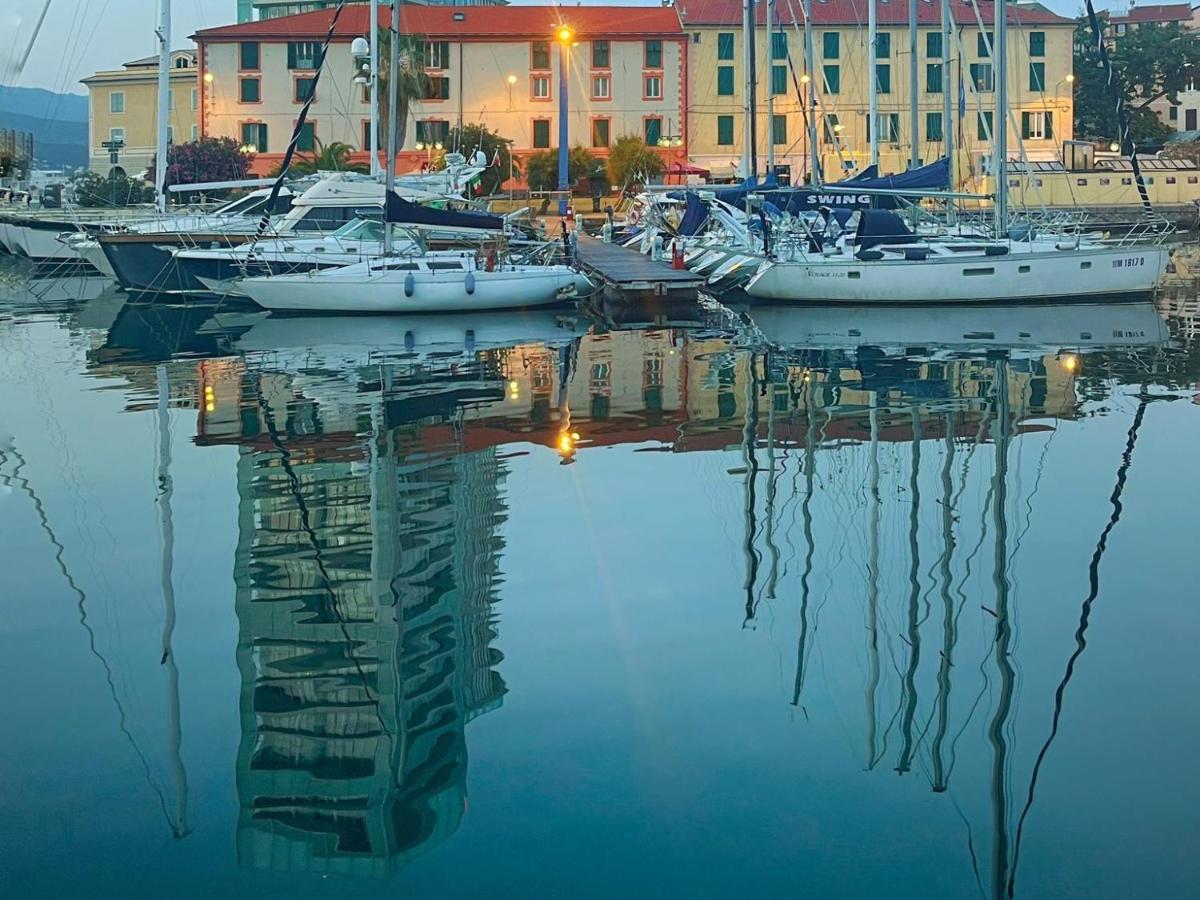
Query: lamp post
point(565, 35)
point(364, 76)
point(512, 80)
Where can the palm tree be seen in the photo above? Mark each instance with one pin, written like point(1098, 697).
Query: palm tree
point(334, 157)
point(412, 85)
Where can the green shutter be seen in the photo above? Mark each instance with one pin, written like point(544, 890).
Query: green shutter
point(1037, 76)
point(933, 126)
point(725, 45)
point(1049, 117)
point(291, 55)
point(883, 78)
point(779, 48)
point(725, 131)
point(307, 139)
point(778, 79)
point(833, 79)
point(779, 130)
point(653, 54)
point(653, 131)
point(1037, 43)
point(933, 78)
point(725, 81)
point(933, 44)
point(883, 45)
point(983, 41)
point(831, 45)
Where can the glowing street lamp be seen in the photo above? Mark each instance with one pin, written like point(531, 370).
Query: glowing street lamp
point(565, 35)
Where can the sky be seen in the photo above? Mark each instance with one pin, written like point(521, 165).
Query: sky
point(83, 36)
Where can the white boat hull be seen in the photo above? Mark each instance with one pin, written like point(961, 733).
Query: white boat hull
point(1020, 275)
point(41, 244)
point(387, 292)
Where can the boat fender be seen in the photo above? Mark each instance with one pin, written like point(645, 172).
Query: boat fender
point(916, 253)
point(866, 255)
point(995, 250)
point(469, 282)
point(410, 341)
point(410, 284)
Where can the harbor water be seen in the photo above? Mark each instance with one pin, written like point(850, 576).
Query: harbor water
point(689, 600)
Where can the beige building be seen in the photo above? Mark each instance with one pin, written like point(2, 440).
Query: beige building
point(1039, 65)
point(497, 65)
point(124, 107)
point(1185, 114)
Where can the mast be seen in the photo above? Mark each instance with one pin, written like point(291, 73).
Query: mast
point(770, 87)
point(947, 106)
point(748, 162)
point(373, 37)
point(164, 103)
point(749, 438)
point(1000, 52)
point(949, 632)
point(873, 586)
point(810, 68)
point(393, 97)
point(914, 580)
point(872, 63)
point(810, 471)
point(914, 120)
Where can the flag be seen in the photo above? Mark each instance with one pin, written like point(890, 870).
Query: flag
point(496, 158)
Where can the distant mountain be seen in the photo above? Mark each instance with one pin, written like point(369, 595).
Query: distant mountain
point(58, 123)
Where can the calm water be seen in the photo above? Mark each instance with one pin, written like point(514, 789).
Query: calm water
point(763, 603)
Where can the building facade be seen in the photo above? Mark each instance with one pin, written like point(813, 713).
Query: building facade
point(123, 106)
point(256, 10)
point(1039, 64)
point(626, 66)
point(1184, 113)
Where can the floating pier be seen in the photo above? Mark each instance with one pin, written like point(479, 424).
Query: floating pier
point(625, 269)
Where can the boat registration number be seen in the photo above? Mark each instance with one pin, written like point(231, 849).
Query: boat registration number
point(1128, 262)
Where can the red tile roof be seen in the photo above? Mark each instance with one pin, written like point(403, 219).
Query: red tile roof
point(480, 22)
point(1157, 12)
point(854, 12)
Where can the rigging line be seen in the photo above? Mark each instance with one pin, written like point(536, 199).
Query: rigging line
point(749, 439)
point(81, 605)
point(806, 510)
point(914, 580)
point(949, 629)
point(1084, 620)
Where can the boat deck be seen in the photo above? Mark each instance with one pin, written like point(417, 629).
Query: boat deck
point(625, 269)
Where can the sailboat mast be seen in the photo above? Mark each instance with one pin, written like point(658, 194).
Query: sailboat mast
point(393, 125)
point(872, 68)
point(947, 107)
point(747, 86)
point(1000, 52)
point(164, 104)
point(810, 68)
point(373, 37)
point(770, 87)
point(914, 120)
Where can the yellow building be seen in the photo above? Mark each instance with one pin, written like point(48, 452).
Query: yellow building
point(1039, 65)
point(124, 107)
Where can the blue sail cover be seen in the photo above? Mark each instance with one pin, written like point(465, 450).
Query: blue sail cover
point(404, 212)
point(695, 214)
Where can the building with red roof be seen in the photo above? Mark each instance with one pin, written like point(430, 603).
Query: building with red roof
point(627, 71)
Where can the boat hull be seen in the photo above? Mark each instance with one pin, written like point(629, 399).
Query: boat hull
point(145, 263)
point(1019, 276)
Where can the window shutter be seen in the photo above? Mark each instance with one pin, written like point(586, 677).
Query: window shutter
point(1049, 119)
point(291, 56)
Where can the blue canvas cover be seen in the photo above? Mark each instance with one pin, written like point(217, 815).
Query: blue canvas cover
point(404, 212)
point(695, 214)
point(879, 226)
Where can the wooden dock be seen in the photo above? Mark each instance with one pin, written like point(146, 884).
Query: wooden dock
point(625, 269)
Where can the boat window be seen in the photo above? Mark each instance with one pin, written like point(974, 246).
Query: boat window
point(396, 267)
point(988, 271)
point(1023, 269)
point(1082, 182)
point(854, 274)
point(1085, 265)
point(445, 266)
point(323, 218)
point(1170, 179)
point(964, 248)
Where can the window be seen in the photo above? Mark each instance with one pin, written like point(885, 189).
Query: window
point(883, 78)
point(779, 79)
point(1173, 113)
point(116, 102)
point(652, 129)
point(891, 127)
point(933, 44)
point(652, 57)
point(116, 134)
point(254, 134)
point(541, 134)
point(600, 132)
point(307, 140)
point(933, 78)
point(249, 90)
point(248, 56)
point(303, 89)
point(182, 62)
point(1189, 119)
point(831, 45)
point(600, 55)
point(304, 54)
point(883, 45)
point(539, 52)
point(1037, 76)
point(436, 87)
point(779, 48)
point(652, 87)
point(832, 129)
point(366, 137)
point(983, 44)
point(833, 79)
point(540, 87)
point(984, 127)
point(779, 130)
point(437, 54)
point(933, 126)
point(1037, 126)
point(725, 45)
point(433, 131)
point(601, 87)
point(725, 131)
point(724, 81)
point(195, 132)
point(195, 98)
point(1037, 43)
point(1120, 28)
point(983, 76)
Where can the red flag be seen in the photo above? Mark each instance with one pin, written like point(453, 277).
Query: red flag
point(496, 159)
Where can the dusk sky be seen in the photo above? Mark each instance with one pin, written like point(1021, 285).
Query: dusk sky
point(81, 36)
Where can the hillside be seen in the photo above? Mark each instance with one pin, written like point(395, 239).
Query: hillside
point(58, 122)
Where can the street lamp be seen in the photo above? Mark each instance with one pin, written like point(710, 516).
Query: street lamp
point(512, 81)
point(565, 35)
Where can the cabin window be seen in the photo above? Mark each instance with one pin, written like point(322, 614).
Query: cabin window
point(1082, 182)
point(249, 90)
point(1014, 182)
point(854, 274)
point(1085, 265)
point(724, 81)
point(1037, 43)
point(725, 45)
point(116, 102)
point(1191, 179)
point(725, 131)
point(833, 79)
point(831, 45)
point(980, 271)
point(539, 53)
point(445, 267)
point(1170, 179)
point(652, 57)
point(933, 78)
point(1023, 270)
point(541, 134)
point(1126, 181)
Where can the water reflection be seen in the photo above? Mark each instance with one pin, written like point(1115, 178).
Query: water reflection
point(882, 502)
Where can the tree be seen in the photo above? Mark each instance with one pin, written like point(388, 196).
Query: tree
point(471, 138)
point(114, 189)
point(208, 159)
point(541, 169)
point(412, 85)
point(334, 157)
point(1152, 62)
point(632, 162)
